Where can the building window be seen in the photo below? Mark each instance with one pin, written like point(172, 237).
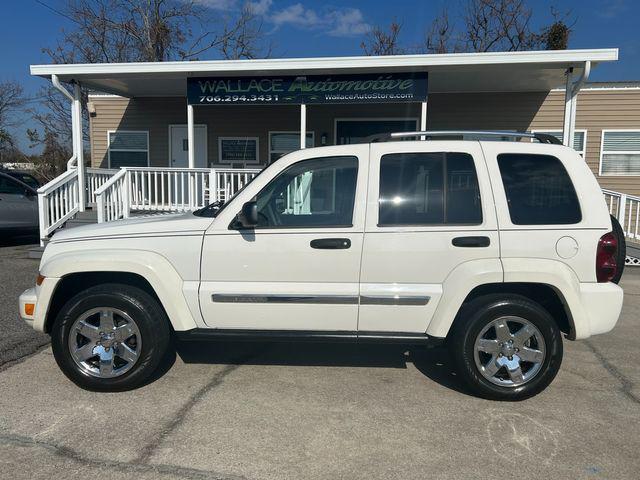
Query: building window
point(579, 138)
point(428, 189)
point(356, 130)
point(539, 190)
point(128, 148)
point(281, 143)
point(620, 152)
point(241, 150)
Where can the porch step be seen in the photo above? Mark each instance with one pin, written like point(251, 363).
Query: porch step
point(82, 218)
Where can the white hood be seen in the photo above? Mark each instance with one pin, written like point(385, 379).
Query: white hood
point(148, 225)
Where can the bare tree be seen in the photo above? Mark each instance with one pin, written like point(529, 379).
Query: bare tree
point(108, 31)
point(12, 100)
point(382, 42)
point(495, 25)
point(440, 37)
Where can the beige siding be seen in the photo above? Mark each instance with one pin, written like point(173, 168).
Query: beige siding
point(597, 109)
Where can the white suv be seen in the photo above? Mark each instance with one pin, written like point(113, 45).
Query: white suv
point(496, 247)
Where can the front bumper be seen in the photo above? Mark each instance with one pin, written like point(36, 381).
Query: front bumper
point(40, 296)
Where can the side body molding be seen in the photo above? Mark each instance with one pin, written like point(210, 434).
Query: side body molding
point(178, 297)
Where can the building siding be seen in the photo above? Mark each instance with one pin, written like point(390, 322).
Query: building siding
point(596, 110)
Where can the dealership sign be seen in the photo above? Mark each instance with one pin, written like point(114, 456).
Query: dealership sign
point(308, 89)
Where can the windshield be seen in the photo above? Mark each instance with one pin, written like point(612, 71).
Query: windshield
point(213, 209)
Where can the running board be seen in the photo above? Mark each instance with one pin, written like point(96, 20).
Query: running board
point(307, 336)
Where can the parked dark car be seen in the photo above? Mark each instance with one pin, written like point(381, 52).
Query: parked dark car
point(18, 206)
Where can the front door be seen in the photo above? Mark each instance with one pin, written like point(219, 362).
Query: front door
point(180, 146)
point(299, 268)
point(430, 211)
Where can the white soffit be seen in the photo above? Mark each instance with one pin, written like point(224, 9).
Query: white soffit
point(457, 72)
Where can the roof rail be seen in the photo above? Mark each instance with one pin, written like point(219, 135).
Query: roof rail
point(541, 137)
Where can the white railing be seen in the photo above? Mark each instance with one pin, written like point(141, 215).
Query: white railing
point(228, 181)
point(153, 189)
point(111, 198)
point(95, 178)
point(58, 201)
point(626, 208)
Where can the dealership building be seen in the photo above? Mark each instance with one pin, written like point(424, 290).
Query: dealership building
point(241, 115)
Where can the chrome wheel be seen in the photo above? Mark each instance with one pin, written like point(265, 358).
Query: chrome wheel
point(509, 351)
point(105, 342)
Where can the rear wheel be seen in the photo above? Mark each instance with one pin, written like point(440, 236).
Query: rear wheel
point(506, 347)
point(110, 337)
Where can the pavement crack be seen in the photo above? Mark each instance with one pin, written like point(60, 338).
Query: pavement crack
point(180, 416)
point(626, 385)
point(39, 347)
point(125, 467)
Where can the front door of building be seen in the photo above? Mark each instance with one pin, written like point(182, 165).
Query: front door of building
point(180, 146)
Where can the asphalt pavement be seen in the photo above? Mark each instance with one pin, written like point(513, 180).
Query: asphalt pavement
point(317, 411)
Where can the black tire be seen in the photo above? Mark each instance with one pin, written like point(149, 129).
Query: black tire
point(621, 255)
point(470, 323)
point(149, 317)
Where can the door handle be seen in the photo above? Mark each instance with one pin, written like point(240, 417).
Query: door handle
point(331, 243)
point(471, 242)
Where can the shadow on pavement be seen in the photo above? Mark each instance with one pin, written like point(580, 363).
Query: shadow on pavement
point(434, 363)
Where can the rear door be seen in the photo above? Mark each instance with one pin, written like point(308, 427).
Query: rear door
point(430, 209)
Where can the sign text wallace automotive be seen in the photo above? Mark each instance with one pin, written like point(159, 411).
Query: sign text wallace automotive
point(365, 88)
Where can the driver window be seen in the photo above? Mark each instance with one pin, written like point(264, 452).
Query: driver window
point(319, 192)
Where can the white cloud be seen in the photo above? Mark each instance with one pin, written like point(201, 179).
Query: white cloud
point(297, 15)
point(347, 22)
point(338, 22)
point(261, 7)
point(218, 4)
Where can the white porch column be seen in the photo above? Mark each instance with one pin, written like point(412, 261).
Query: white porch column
point(76, 125)
point(571, 102)
point(303, 126)
point(191, 138)
point(568, 110)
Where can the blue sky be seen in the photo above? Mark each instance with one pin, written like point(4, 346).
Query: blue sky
point(333, 27)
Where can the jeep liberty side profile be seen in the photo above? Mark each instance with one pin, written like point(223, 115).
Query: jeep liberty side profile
point(496, 248)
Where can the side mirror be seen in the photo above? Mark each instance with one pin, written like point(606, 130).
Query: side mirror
point(248, 217)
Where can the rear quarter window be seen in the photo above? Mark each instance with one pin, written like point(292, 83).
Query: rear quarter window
point(539, 190)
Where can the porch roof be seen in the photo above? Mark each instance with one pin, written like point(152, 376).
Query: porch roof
point(455, 72)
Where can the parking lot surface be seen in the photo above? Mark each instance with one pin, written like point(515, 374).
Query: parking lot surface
point(282, 411)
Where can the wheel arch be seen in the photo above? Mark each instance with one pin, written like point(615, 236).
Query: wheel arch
point(531, 278)
point(77, 271)
point(547, 296)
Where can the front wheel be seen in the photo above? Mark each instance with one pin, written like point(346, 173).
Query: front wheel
point(506, 347)
point(110, 337)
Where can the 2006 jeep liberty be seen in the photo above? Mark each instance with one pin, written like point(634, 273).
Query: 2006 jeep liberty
point(498, 248)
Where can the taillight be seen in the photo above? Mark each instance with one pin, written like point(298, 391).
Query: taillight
point(606, 264)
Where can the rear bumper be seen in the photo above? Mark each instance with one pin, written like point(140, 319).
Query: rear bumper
point(601, 304)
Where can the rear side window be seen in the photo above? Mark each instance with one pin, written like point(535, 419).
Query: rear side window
point(438, 188)
point(539, 190)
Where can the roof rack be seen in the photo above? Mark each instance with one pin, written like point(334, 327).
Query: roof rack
point(541, 137)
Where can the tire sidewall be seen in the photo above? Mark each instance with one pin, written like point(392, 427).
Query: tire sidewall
point(533, 313)
point(140, 307)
